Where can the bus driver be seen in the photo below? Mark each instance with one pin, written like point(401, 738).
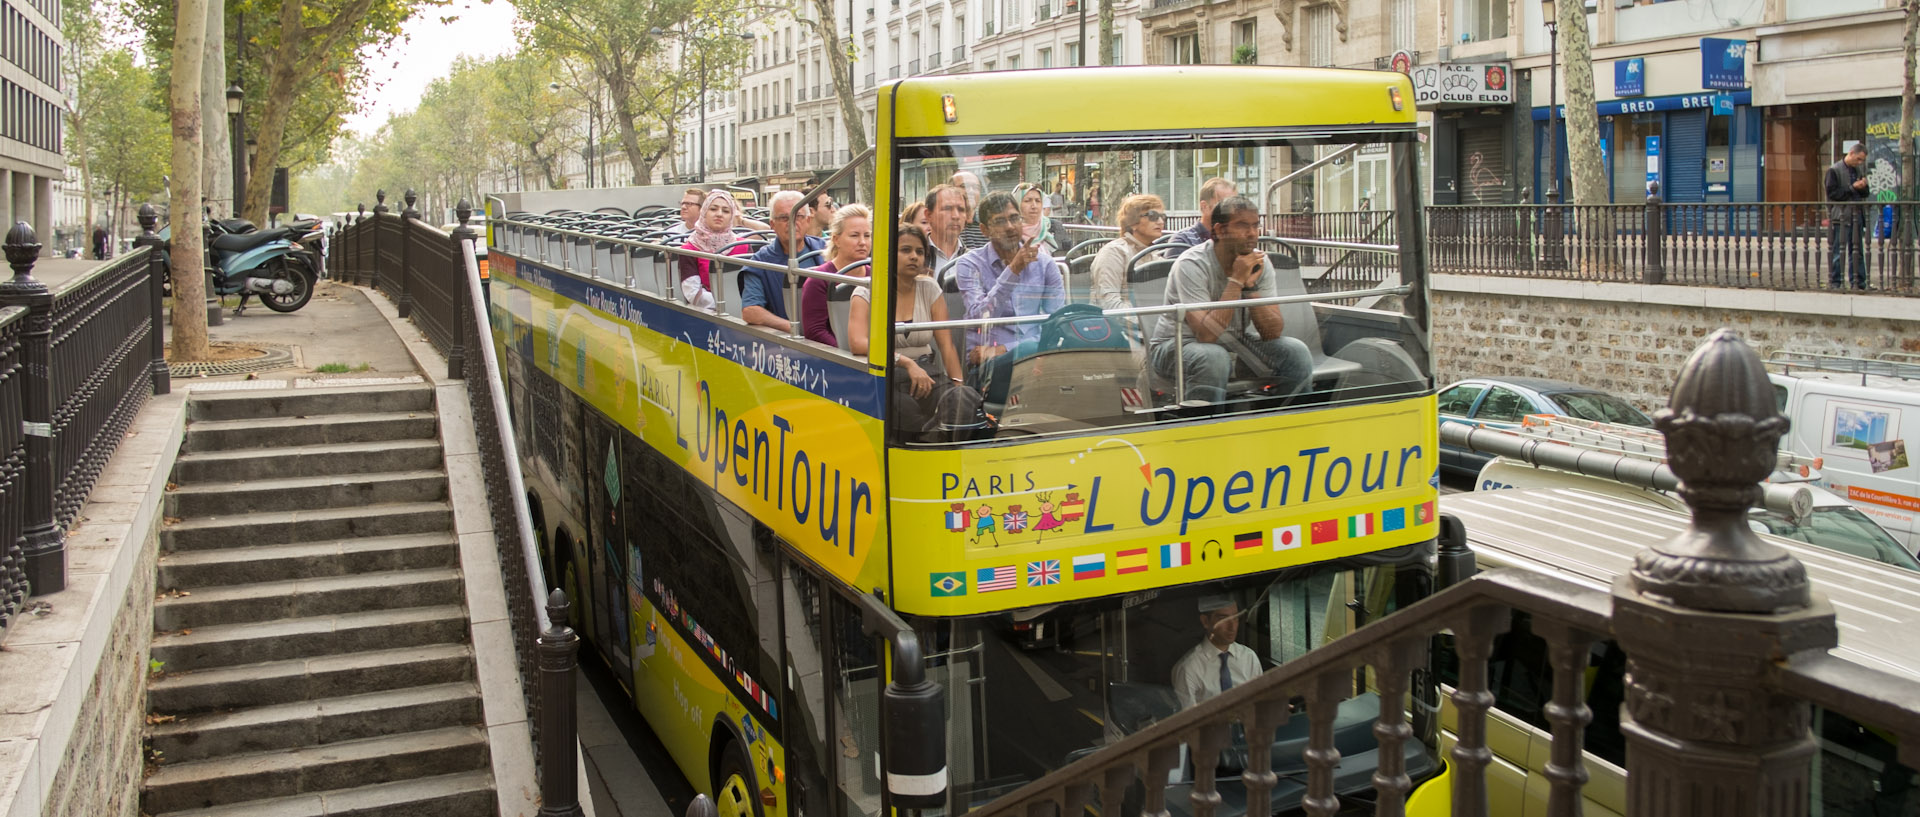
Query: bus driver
point(1227, 268)
point(1218, 663)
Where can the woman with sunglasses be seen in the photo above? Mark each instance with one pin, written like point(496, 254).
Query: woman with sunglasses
point(1143, 219)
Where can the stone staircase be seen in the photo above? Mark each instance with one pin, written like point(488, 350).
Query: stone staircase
point(311, 622)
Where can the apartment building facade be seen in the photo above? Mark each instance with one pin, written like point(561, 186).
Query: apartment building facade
point(31, 124)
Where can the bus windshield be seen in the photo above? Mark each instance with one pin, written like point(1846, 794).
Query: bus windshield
point(1082, 285)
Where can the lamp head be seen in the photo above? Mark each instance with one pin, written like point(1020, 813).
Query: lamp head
point(234, 95)
point(1547, 12)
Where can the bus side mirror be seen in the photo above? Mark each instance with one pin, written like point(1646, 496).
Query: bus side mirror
point(915, 712)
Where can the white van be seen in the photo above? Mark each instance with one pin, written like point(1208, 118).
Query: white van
point(1854, 414)
point(1593, 539)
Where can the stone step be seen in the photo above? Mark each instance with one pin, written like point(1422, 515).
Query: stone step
point(305, 493)
point(291, 403)
point(305, 679)
point(307, 461)
point(214, 567)
point(321, 525)
point(313, 769)
point(454, 795)
point(225, 645)
point(312, 723)
point(262, 601)
point(279, 432)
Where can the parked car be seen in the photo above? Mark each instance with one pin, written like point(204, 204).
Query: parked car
point(1856, 415)
point(1500, 402)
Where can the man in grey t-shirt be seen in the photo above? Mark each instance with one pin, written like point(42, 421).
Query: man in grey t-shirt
point(1230, 267)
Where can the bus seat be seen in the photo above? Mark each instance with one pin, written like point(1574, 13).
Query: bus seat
point(1080, 279)
point(1302, 323)
point(956, 310)
point(1147, 282)
point(838, 304)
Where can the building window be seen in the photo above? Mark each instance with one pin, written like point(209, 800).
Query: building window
point(1246, 51)
point(1400, 21)
point(1481, 20)
point(1046, 58)
point(1183, 49)
point(1073, 54)
point(1319, 39)
point(1117, 50)
point(1013, 62)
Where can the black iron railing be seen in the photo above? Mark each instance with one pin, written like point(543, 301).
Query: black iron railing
point(76, 365)
point(1762, 245)
point(445, 296)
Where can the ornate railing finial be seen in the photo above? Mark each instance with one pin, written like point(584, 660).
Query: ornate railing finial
point(380, 201)
point(1723, 434)
point(462, 211)
point(22, 249)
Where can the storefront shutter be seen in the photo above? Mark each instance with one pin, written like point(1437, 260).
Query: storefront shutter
point(1482, 165)
point(1686, 156)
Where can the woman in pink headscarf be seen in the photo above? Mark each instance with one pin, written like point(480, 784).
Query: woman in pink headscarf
point(712, 232)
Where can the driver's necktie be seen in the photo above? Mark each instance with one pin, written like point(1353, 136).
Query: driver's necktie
point(1226, 675)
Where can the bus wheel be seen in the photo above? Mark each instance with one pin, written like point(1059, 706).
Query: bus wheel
point(733, 794)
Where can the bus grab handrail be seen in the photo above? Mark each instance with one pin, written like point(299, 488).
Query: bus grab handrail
point(740, 260)
point(965, 323)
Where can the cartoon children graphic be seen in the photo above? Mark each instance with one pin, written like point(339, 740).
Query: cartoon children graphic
point(1049, 518)
point(983, 523)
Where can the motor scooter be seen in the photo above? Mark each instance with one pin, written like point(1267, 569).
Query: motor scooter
point(267, 263)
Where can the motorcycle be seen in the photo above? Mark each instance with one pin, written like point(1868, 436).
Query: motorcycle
point(269, 263)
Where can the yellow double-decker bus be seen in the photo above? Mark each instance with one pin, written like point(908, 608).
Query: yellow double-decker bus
point(753, 530)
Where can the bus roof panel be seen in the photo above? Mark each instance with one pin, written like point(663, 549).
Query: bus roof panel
point(1149, 98)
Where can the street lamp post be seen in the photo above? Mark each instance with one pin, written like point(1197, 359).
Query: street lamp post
point(699, 45)
point(234, 126)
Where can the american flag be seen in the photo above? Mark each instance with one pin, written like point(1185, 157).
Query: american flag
point(990, 579)
point(1042, 573)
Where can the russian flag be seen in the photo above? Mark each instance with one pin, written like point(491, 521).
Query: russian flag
point(1178, 554)
point(1090, 566)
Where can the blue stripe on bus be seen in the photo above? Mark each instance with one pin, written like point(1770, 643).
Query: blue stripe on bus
point(850, 387)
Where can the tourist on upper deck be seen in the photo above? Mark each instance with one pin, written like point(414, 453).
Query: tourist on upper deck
point(1142, 221)
point(1033, 211)
point(763, 293)
point(849, 242)
point(919, 374)
point(916, 215)
point(971, 234)
point(1212, 192)
point(1229, 267)
point(711, 233)
point(690, 202)
point(947, 215)
point(1008, 277)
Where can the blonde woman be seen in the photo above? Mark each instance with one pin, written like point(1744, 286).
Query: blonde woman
point(1143, 219)
point(850, 241)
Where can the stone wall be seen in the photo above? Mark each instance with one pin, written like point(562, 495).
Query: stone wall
point(100, 774)
point(1631, 339)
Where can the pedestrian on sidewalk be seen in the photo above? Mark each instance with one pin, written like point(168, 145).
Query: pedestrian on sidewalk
point(102, 240)
point(1847, 222)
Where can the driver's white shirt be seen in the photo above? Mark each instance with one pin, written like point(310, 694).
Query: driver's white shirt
point(1197, 675)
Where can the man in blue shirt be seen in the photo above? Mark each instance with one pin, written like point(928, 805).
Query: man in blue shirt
point(1007, 277)
point(1212, 192)
point(763, 293)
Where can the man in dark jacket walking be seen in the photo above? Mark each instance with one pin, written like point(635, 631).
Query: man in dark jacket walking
point(1846, 184)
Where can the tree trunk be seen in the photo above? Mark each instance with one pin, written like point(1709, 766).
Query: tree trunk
point(1907, 180)
point(216, 143)
point(189, 282)
point(850, 114)
point(282, 83)
point(1106, 34)
point(1585, 166)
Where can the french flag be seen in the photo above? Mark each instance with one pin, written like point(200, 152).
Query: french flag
point(1178, 554)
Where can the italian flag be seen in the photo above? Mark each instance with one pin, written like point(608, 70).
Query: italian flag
point(1359, 525)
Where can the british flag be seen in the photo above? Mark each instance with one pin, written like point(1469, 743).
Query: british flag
point(1043, 573)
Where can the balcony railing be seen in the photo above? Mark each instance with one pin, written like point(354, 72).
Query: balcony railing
point(933, 60)
point(893, 73)
point(816, 92)
point(959, 54)
point(913, 68)
point(869, 82)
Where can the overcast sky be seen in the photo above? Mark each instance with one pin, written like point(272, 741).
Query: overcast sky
point(427, 53)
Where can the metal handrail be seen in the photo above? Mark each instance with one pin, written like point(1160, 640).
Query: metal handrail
point(1181, 309)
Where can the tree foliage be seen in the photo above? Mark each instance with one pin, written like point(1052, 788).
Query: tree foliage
point(124, 142)
point(648, 84)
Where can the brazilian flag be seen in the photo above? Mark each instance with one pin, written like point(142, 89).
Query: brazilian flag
point(949, 584)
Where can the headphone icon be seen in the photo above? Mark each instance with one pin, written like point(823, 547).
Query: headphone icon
point(1219, 550)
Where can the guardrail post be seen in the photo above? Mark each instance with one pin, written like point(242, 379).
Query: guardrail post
point(42, 555)
point(457, 286)
point(157, 269)
point(559, 744)
point(405, 286)
point(1655, 226)
point(1704, 617)
point(359, 245)
point(376, 275)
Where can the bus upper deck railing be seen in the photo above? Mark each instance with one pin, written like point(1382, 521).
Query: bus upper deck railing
point(1727, 649)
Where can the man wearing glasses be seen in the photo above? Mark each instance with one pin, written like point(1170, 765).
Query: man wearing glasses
point(1008, 277)
point(689, 211)
point(1211, 341)
point(763, 293)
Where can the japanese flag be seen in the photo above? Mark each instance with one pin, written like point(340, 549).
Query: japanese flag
point(1286, 538)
